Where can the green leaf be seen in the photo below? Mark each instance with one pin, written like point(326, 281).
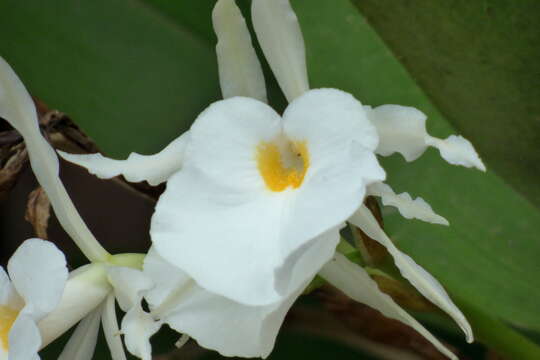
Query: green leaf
point(478, 61)
point(131, 77)
point(135, 74)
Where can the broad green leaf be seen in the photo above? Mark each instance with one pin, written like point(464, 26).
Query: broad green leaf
point(134, 74)
point(479, 62)
point(131, 78)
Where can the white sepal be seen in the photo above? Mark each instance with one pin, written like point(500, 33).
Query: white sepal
point(356, 283)
point(85, 289)
point(111, 330)
point(281, 40)
point(155, 168)
point(17, 107)
point(82, 343)
point(240, 72)
point(402, 129)
point(408, 208)
point(215, 322)
point(424, 282)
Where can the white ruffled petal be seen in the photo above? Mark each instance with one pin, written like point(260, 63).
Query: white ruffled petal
point(24, 339)
point(82, 343)
point(17, 107)
point(111, 330)
point(85, 290)
point(355, 282)
point(155, 267)
point(155, 168)
point(457, 151)
point(281, 40)
point(215, 322)
point(138, 326)
point(402, 129)
point(129, 285)
point(240, 72)
point(426, 284)
point(306, 261)
point(39, 273)
point(408, 208)
point(220, 196)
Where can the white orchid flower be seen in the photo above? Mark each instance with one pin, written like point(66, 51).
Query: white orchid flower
point(91, 291)
point(261, 198)
point(37, 276)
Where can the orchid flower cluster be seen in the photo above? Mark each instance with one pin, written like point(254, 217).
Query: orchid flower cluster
point(252, 211)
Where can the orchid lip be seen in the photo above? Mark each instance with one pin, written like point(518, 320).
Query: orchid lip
point(282, 163)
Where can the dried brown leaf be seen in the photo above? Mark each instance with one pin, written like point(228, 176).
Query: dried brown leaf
point(38, 211)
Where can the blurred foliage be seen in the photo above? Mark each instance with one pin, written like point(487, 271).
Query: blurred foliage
point(134, 74)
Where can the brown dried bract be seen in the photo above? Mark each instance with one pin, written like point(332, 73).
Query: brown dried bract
point(13, 157)
point(38, 211)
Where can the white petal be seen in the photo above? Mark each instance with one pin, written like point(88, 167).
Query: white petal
point(216, 322)
point(111, 330)
point(155, 168)
point(403, 129)
point(304, 263)
point(137, 327)
point(129, 285)
point(280, 37)
point(457, 151)
point(39, 273)
point(82, 343)
point(8, 294)
point(166, 277)
point(219, 196)
point(420, 278)
point(341, 141)
point(18, 109)
point(355, 282)
point(240, 73)
point(24, 339)
point(85, 290)
point(409, 208)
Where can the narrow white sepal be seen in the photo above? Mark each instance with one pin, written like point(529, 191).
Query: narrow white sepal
point(111, 330)
point(402, 129)
point(82, 344)
point(240, 72)
point(17, 107)
point(355, 282)
point(408, 208)
point(281, 40)
point(155, 168)
point(424, 282)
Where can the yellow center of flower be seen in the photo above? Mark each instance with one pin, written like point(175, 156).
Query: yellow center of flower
point(7, 318)
point(283, 166)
